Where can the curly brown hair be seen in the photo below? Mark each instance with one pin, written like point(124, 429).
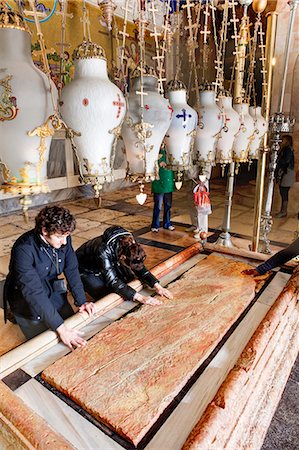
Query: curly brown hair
point(55, 219)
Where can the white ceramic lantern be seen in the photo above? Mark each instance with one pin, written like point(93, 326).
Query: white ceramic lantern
point(25, 104)
point(143, 136)
point(180, 134)
point(210, 122)
point(232, 122)
point(260, 128)
point(95, 107)
point(245, 135)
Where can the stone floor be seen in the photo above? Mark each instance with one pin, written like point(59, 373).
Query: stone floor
point(122, 209)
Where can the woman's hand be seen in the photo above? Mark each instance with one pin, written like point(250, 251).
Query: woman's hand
point(147, 300)
point(162, 291)
point(88, 307)
point(71, 338)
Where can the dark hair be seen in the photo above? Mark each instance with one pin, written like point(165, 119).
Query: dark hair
point(55, 219)
point(131, 253)
point(288, 139)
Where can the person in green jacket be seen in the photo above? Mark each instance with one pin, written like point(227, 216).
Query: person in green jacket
point(162, 190)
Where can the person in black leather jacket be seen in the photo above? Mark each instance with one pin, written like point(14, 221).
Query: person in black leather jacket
point(108, 262)
point(33, 290)
point(278, 259)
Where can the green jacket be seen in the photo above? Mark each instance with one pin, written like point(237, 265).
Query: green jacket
point(166, 182)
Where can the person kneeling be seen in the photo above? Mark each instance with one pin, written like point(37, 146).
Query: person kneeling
point(108, 262)
point(36, 295)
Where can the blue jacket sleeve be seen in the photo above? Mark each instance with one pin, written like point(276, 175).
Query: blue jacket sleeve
point(72, 274)
point(32, 288)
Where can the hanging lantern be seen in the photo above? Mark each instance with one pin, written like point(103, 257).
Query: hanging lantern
point(107, 8)
point(209, 125)
point(260, 128)
point(145, 127)
point(180, 134)
point(95, 107)
point(25, 107)
point(245, 135)
point(232, 122)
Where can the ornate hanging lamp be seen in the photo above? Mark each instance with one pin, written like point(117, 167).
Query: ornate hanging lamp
point(95, 107)
point(260, 124)
point(210, 117)
point(145, 126)
point(107, 8)
point(242, 138)
point(28, 101)
point(232, 121)
point(241, 104)
point(180, 134)
point(148, 117)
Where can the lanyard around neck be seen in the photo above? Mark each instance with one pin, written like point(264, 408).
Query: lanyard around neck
point(55, 261)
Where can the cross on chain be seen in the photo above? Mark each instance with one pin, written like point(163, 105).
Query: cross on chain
point(119, 105)
point(184, 116)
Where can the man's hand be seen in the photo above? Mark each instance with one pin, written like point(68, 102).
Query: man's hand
point(88, 307)
point(252, 272)
point(147, 300)
point(71, 338)
point(162, 291)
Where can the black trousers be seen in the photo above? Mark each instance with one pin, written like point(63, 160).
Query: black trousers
point(31, 328)
point(94, 285)
point(284, 193)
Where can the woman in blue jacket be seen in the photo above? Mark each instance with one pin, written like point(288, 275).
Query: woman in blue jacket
point(34, 289)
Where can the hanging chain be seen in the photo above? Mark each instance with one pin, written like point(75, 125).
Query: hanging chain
point(41, 41)
point(85, 22)
point(192, 43)
point(220, 55)
point(205, 49)
point(124, 34)
point(166, 30)
point(250, 91)
point(159, 58)
point(262, 47)
point(234, 20)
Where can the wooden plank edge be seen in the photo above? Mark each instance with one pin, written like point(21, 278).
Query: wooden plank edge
point(20, 355)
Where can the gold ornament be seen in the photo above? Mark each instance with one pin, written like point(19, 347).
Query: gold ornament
point(11, 19)
point(107, 8)
point(88, 49)
point(175, 85)
point(259, 6)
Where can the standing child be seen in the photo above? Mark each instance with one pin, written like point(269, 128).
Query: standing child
point(202, 204)
point(162, 190)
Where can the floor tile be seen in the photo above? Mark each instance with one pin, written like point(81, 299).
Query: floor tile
point(4, 263)
point(10, 230)
point(154, 255)
point(6, 245)
point(102, 215)
point(131, 223)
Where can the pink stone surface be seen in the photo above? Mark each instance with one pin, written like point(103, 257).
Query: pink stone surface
point(247, 384)
point(128, 373)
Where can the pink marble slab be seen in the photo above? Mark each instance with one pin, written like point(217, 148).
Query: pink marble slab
point(129, 373)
